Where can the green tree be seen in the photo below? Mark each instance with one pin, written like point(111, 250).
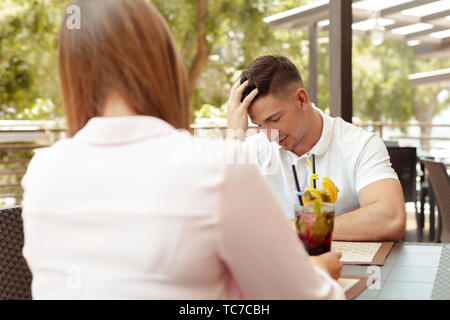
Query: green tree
point(217, 39)
point(222, 37)
point(382, 91)
point(28, 71)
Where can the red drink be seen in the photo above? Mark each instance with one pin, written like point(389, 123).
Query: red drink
point(314, 223)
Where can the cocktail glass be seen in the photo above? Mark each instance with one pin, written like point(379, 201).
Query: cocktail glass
point(314, 222)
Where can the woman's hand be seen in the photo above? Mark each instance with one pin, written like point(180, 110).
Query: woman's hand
point(330, 263)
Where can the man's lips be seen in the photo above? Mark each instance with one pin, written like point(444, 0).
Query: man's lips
point(283, 140)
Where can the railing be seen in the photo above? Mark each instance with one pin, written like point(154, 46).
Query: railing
point(379, 126)
point(19, 139)
point(386, 130)
point(375, 126)
point(420, 140)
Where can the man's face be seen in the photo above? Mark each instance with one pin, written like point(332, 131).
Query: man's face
point(281, 113)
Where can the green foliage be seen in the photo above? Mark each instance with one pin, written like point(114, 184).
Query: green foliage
point(210, 111)
point(381, 89)
point(29, 86)
point(12, 162)
point(236, 34)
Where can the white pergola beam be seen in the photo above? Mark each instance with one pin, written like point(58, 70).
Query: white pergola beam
point(305, 16)
point(435, 16)
point(408, 20)
point(404, 6)
point(436, 77)
point(434, 50)
point(308, 12)
point(310, 20)
point(417, 34)
point(425, 39)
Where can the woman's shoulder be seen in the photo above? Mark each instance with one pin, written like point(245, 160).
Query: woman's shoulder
point(59, 147)
point(44, 162)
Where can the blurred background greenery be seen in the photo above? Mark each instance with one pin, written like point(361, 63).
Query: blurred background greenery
point(216, 44)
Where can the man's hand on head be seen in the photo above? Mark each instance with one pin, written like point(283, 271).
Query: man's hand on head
point(237, 111)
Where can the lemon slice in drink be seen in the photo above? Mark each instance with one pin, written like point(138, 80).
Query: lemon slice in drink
point(311, 195)
point(329, 186)
point(315, 195)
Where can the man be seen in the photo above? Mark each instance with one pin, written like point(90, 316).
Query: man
point(370, 204)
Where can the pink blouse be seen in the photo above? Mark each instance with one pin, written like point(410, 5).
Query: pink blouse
point(131, 208)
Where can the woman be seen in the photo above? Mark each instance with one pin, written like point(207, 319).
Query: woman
point(111, 212)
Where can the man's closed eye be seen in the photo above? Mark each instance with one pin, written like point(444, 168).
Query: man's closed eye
point(275, 120)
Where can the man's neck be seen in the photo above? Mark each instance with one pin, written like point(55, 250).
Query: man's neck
point(312, 134)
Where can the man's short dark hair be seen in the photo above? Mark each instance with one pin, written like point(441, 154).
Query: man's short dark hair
point(270, 74)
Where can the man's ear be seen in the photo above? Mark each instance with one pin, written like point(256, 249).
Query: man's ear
point(302, 98)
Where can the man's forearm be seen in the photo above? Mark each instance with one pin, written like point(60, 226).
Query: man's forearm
point(379, 221)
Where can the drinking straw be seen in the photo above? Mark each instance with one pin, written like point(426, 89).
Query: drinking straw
point(314, 175)
point(296, 183)
point(314, 169)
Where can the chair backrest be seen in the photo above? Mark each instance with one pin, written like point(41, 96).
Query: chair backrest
point(15, 276)
point(391, 143)
point(440, 182)
point(404, 161)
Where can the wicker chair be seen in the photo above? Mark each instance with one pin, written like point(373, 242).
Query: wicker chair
point(15, 277)
point(440, 182)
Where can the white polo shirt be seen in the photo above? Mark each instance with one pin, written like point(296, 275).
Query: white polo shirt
point(350, 156)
